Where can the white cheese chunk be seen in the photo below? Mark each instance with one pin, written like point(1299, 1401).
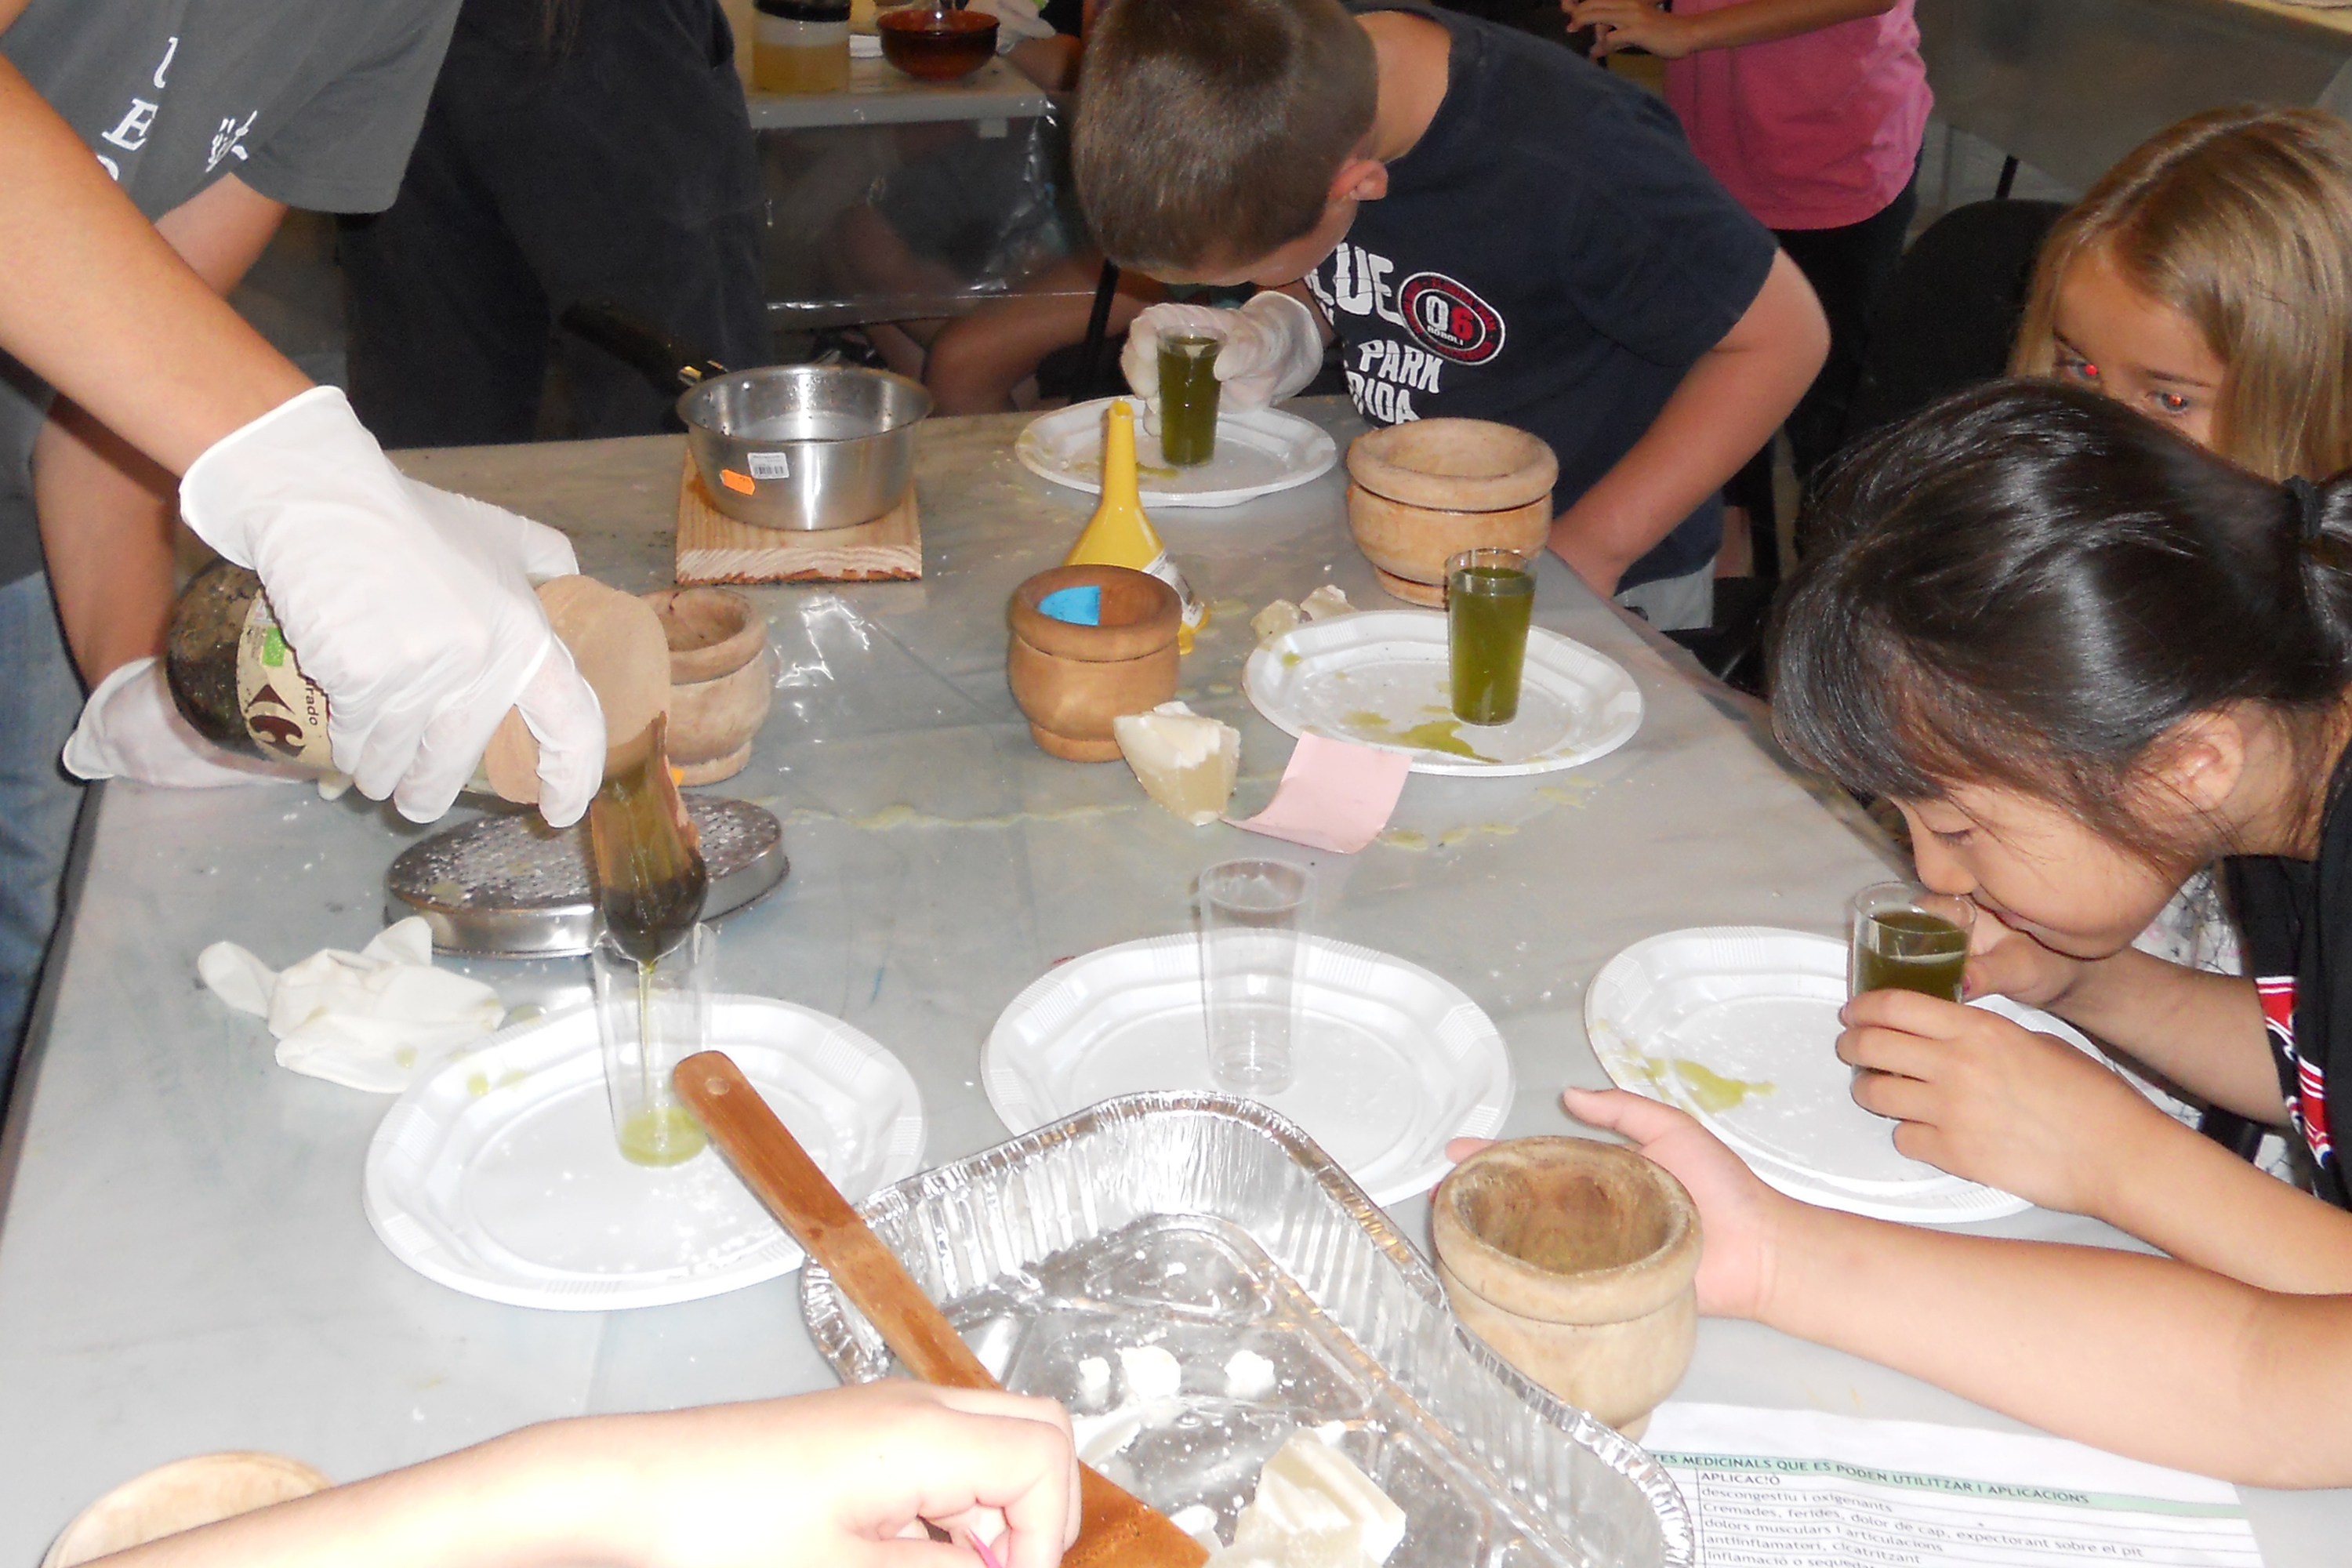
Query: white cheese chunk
point(1186, 761)
point(1151, 1373)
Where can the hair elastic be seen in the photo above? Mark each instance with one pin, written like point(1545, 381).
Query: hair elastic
point(2310, 510)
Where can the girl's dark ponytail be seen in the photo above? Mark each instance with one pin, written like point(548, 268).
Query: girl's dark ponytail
point(2322, 523)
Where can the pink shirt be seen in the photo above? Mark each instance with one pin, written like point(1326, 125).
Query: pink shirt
point(1819, 131)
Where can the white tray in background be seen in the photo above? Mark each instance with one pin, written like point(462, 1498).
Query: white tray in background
point(1257, 454)
point(499, 1175)
point(1392, 1060)
point(1377, 677)
point(1753, 1005)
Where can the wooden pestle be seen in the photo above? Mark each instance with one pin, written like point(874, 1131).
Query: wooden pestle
point(1114, 1526)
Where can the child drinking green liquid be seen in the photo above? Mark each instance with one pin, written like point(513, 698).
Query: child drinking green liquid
point(2085, 657)
point(2206, 281)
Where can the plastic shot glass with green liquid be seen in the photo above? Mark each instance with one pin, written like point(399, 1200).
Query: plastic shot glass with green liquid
point(1906, 938)
point(1489, 596)
point(1188, 400)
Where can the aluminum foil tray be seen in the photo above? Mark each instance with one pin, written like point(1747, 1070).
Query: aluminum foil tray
point(1207, 1226)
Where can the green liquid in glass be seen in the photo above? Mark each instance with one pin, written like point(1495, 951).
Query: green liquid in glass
point(1909, 950)
point(662, 1135)
point(1487, 613)
point(1188, 400)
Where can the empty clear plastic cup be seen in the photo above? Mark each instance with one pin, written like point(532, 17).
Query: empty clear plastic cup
point(1252, 912)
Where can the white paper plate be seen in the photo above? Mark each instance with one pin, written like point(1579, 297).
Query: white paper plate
point(1257, 454)
point(1380, 678)
point(1392, 1060)
point(499, 1175)
point(1738, 1024)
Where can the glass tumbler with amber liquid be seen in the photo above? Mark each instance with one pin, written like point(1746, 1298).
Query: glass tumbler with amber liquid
point(1907, 938)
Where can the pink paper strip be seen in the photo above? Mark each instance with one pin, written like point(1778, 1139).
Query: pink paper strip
point(1335, 794)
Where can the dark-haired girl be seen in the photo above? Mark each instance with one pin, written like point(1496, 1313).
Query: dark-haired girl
point(2085, 657)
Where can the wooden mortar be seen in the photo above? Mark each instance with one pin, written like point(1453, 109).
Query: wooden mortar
point(617, 643)
point(1425, 490)
point(182, 1495)
point(1576, 1261)
point(720, 684)
point(1071, 680)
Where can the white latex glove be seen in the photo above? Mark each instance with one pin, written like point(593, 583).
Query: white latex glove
point(131, 730)
point(1015, 20)
point(411, 608)
point(1271, 349)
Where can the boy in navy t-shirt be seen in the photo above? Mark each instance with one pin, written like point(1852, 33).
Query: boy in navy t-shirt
point(1492, 226)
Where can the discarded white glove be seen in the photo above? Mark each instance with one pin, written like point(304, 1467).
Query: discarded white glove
point(129, 729)
point(367, 1020)
point(411, 608)
point(1271, 349)
point(1015, 20)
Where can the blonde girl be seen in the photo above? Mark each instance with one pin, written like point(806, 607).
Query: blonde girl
point(2206, 281)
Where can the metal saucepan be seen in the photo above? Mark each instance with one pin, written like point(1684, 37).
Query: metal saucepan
point(794, 446)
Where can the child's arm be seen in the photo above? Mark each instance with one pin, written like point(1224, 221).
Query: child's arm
point(839, 1479)
point(1982, 1097)
point(2202, 1031)
point(2145, 1356)
point(1625, 24)
point(1727, 405)
point(105, 509)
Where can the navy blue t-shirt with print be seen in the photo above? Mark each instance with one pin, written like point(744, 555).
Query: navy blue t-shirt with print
point(1549, 255)
point(2295, 917)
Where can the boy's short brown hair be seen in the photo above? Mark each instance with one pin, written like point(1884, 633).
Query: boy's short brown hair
point(1208, 130)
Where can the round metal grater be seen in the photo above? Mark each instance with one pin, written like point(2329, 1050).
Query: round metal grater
point(509, 886)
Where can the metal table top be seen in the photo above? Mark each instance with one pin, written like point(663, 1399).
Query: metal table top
point(184, 1262)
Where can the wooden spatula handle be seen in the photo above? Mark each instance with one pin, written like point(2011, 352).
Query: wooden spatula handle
point(782, 1176)
point(1116, 1529)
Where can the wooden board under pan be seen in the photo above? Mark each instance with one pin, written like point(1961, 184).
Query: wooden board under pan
point(714, 548)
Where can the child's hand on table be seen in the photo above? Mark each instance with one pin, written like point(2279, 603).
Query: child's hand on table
point(1990, 1100)
point(851, 1476)
point(1625, 24)
point(1739, 1215)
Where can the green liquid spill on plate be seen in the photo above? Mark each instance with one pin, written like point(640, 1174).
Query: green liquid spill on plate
point(1714, 1093)
point(1436, 735)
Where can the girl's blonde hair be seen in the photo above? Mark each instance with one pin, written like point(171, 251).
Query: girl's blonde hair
point(2240, 219)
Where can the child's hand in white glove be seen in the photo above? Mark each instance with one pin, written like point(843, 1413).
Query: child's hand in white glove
point(411, 608)
point(1271, 348)
point(129, 729)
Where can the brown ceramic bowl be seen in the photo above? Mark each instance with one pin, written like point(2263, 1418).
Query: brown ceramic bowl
point(181, 1496)
point(1429, 489)
point(1408, 545)
point(937, 44)
point(721, 688)
point(1071, 681)
point(1576, 1260)
point(1454, 465)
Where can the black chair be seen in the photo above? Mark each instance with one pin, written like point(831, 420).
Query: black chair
point(1951, 310)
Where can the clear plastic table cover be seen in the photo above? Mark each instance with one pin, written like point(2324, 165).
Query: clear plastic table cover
point(185, 1265)
point(1205, 1227)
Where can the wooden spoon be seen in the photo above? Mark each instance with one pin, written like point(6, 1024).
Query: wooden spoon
point(1115, 1527)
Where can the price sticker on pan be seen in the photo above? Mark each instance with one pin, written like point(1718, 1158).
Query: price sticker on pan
point(769, 465)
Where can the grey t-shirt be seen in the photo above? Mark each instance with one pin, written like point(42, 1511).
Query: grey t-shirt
point(314, 103)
